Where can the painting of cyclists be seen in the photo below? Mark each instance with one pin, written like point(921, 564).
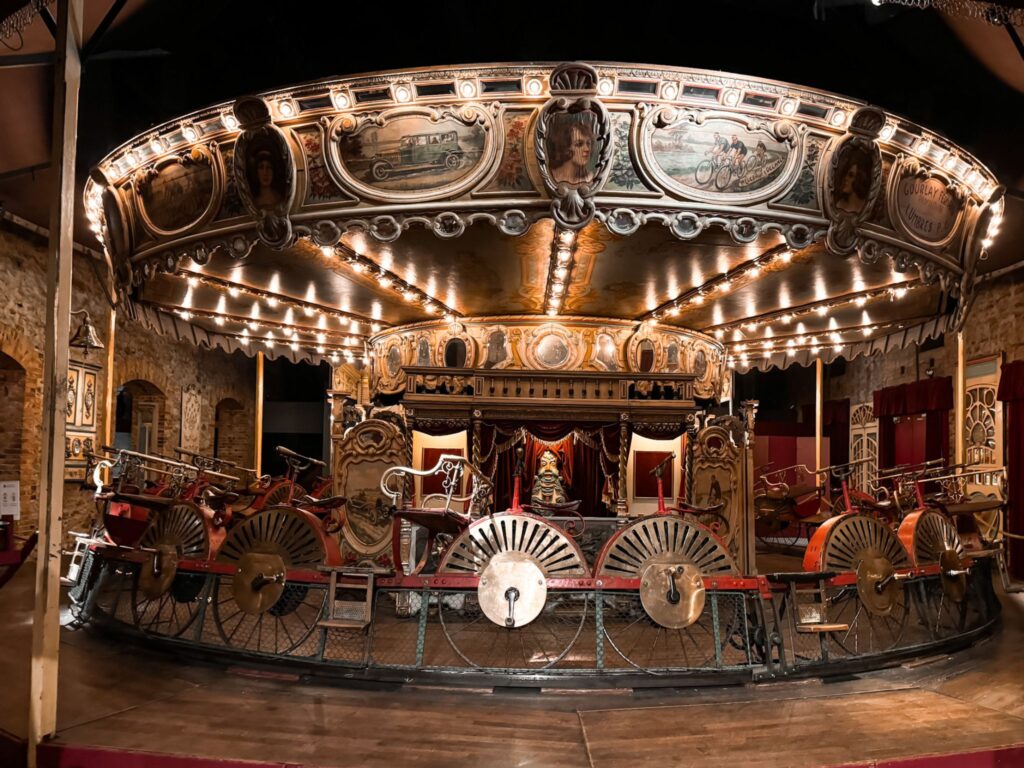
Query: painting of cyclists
point(718, 156)
point(412, 153)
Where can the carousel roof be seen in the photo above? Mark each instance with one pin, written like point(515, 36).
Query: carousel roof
point(786, 223)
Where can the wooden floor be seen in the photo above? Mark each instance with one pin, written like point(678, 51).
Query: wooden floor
point(127, 697)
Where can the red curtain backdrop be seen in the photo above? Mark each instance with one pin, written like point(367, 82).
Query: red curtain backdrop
point(932, 397)
point(645, 485)
point(1011, 392)
point(428, 460)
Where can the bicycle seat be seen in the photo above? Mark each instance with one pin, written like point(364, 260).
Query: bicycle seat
point(328, 502)
point(693, 509)
point(215, 496)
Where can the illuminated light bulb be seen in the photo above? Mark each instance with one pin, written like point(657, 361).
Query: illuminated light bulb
point(801, 340)
point(792, 353)
point(561, 273)
point(750, 326)
point(736, 335)
point(129, 158)
point(467, 89)
point(744, 358)
point(384, 280)
point(557, 288)
point(327, 250)
point(184, 315)
point(358, 266)
point(790, 343)
point(865, 331)
point(230, 121)
point(286, 108)
point(431, 308)
point(860, 301)
point(566, 236)
point(308, 311)
point(193, 281)
point(899, 293)
point(534, 86)
point(950, 163)
point(409, 295)
point(321, 337)
point(835, 337)
point(987, 242)
point(923, 146)
point(755, 270)
point(271, 301)
point(294, 347)
point(190, 133)
point(233, 292)
point(563, 256)
point(815, 350)
point(832, 324)
point(838, 118)
point(822, 310)
point(289, 316)
point(837, 347)
point(788, 106)
point(353, 326)
point(725, 285)
point(674, 310)
point(253, 325)
point(403, 94)
point(669, 91)
point(319, 350)
point(719, 333)
point(605, 87)
point(334, 357)
point(740, 347)
point(157, 144)
point(375, 327)
point(732, 363)
point(801, 328)
point(731, 98)
point(769, 344)
point(786, 256)
point(698, 299)
point(887, 132)
point(340, 100)
point(218, 320)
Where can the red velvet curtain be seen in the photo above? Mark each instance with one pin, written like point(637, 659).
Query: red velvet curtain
point(932, 397)
point(1011, 392)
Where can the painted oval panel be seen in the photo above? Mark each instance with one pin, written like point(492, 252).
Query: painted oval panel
point(177, 195)
point(718, 156)
point(412, 153)
point(927, 208)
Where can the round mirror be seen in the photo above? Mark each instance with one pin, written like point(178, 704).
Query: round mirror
point(394, 361)
point(552, 350)
point(645, 355)
point(455, 354)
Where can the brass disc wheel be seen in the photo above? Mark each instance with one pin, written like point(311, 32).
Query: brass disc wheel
point(931, 538)
point(874, 609)
point(164, 600)
point(671, 623)
point(258, 609)
point(513, 621)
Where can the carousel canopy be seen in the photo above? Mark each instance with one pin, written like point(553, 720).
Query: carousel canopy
point(767, 223)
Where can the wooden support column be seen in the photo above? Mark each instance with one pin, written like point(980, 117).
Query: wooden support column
point(258, 442)
point(109, 405)
point(819, 400)
point(620, 506)
point(42, 717)
point(960, 393)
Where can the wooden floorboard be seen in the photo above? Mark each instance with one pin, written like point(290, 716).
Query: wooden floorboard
point(125, 696)
point(794, 733)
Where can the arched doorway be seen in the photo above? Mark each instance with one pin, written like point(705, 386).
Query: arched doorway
point(141, 406)
point(232, 433)
point(12, 418)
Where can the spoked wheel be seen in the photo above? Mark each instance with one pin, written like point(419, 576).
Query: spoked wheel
point(723, 177)
point(541, 644)
point(875, 608)
point(705, 170)
point(512, 622)
point(931, 539)
point(667, 624)
point(164, 600)
point(258, 609)
point(279, 494)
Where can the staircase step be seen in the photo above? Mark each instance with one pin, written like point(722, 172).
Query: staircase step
point(817, 628)
point(344, 623)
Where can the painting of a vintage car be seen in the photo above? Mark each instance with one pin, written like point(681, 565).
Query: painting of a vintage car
point(412, 153)
point(718, 156)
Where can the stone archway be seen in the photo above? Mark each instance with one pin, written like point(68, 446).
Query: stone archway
point(141, 417)
point(21, 386)
point(232, 432)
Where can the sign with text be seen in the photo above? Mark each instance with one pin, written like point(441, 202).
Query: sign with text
point(10, 499)
point(927, 208)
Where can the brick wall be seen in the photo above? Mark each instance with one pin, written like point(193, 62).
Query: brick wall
point(12, 412)
point(167, 365)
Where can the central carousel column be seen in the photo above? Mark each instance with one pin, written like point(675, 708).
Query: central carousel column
point(745, 536)
point(620, 505)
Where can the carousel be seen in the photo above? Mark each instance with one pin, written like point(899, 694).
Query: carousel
point(534, 284)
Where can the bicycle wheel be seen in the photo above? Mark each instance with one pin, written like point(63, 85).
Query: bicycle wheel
point(705, 170)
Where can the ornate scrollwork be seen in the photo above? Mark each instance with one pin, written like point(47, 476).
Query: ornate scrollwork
point(572, 125)
point(264, 172)
point(853, 180)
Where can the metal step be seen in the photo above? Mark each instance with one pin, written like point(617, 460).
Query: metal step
point(817, 628)
point(343, 623)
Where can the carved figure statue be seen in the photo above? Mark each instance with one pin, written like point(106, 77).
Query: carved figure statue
point(547, 483)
